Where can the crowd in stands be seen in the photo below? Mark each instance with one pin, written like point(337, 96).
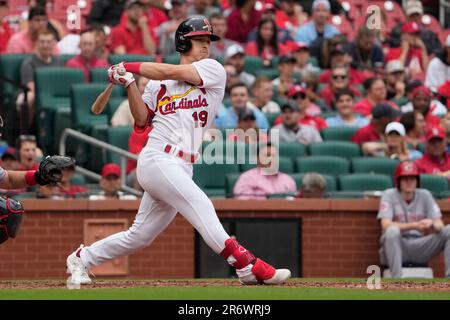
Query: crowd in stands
point(297, 66)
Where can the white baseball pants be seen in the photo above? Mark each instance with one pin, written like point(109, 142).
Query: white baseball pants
point(169, 188)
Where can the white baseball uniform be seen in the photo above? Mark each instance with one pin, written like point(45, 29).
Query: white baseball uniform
point(182, 113)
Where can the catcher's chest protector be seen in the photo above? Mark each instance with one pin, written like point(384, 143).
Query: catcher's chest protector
point(11, 215)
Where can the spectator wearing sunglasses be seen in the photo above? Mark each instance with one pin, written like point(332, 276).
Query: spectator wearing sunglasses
point(339, 80)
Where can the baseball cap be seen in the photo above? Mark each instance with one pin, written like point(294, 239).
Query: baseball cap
point(434, 132)
point(317, 3)
point(111, 168)
point(411, 27)
point(395, 127)
point(337, 49)
point(295, 89)
point(413, 6)
point(288, 105)
point(129, 3)
point(444, 89)
point(233, 50)
point(394, 66)
point(286, 59)
point(383, 109)
point(268, 7)
point(300, 46)
point(246, 114)
point(422, 90)
point(10, 153)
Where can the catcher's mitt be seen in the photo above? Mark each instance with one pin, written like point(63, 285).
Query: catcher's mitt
point(50, 169)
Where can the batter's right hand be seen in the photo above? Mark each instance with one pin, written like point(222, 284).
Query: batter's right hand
point(121, 79)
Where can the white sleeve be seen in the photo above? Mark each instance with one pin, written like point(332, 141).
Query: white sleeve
point(149, 95)
point(212, 73)
point(2, 173)
point(433, 74)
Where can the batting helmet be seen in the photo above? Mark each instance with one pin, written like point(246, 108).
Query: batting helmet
point(194, 26)
point(10, 218)
point(406, 169)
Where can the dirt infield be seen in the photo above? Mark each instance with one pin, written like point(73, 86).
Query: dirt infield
point(404, 285)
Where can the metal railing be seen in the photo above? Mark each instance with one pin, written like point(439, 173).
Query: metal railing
point(124, 155)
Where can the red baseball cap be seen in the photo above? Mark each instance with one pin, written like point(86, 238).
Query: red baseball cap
point(295, 89)
point(297, 46)
point(422, 90)
point(411, 27)
point(111, 168)
point(435, 132)
point(444, 89)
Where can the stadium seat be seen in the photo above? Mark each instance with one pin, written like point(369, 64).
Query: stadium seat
point(117, 58)
point(365, 182)
point(99, 75)
point(118, 136)
point(323, 164)
point(437, 185)
point(65, 57)
point(172, 58)
point(345, 195)
point(286, 165)
point(253, 64)
point(10, 65)
point(432, 23)
point(331, 181)
point(374, 165)
point(271, 117)
point(230, 182)
point(292, 150)
point(338, 133)
point(268, 73)
point(335, 148)
point(211, 177)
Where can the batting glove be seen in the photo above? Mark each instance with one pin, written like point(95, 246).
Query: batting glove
point(121, 79)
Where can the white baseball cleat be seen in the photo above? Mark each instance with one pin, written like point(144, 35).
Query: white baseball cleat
point(75, 267)
point(264, 273)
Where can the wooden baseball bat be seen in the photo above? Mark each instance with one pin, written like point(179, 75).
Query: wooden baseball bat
point(100, 103)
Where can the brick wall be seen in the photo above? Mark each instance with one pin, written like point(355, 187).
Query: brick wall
point(339, 237)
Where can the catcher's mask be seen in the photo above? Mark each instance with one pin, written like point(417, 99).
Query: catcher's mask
point(11, 215)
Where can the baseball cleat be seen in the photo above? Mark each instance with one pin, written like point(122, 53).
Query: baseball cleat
point(264, 273)
point(75, 267)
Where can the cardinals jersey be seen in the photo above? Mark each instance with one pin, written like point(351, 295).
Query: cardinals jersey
point(183, 112)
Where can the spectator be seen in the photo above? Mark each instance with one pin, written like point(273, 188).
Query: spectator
point(366, 54)
point(317, 28)
point(178, 14)
point(382, 114)
point(242, 19)
point(28, 153)
point(65, 189)
point(234, 55)
point(43, 57)
point(202, 8)
point(439, 68)
point(395, 82)
point(290, 16)
point(445, 124)
point(290, 130)
point(70, 43)
point(155, 11)
point(101, 48)
point(313, 186)
point(421, 100)
point(307, 109)
point(106, 12)
point(5, 31)
point(9, 160)
point(375, 93)
point(406, 213)
point(122, 116)
point(412, 53)
point(345, 100)
point(414, 13)
point(247, 130)
point(110, 183)
point(133, 35)
point(444, 94)
point(311, 82)
point(302, 59)
point(286, 79)
point(258, 183)
point(339, 81)
point(415, 127)
point(382, 34)
point(232, 79)
point(262, 96)
point(228, 118)
point(266, 46)
point(436, 160)
point(87, 59)
point(26, 40)
point(218, 48)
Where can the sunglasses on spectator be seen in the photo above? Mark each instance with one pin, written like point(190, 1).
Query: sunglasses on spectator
point(339, 76)
point(299, 96)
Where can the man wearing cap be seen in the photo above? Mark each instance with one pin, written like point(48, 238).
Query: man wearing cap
point(439, 68)
point(242, 19)
point(318, 27)
point(234, 55)
point(412, 52)
point(246, 130)
point(382, 114)
point(5, 31)
point(291, 131)
point(422, 101)
point(339, 80)
point(303, 64)
point(285, 80)
point(395, 82)
point(178, 13)
point(436, 160)
point(219, 48)
point(407, 213)
point(414, 13)
point(110, 184)
point(132, 36)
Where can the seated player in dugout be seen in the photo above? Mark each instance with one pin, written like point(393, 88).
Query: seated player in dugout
point(412, 229)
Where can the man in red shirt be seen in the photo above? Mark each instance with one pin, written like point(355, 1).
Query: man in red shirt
point(87, 59)
point(421, 101)
point(382, 114)
point(339, 80)
point(412, 53)
point(242, 20)
point(436, 159)
point(5, 31)
point(376, 93)
point(133, 36)
point(28, 153)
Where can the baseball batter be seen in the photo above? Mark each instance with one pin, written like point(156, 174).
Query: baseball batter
point(406, 213)
point(180, 102)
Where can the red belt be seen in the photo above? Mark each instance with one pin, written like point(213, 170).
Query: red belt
point(189, 157)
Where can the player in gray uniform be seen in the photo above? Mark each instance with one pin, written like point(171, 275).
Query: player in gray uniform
point(407, 213)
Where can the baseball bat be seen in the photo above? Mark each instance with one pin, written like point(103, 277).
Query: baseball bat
point(100, 103)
